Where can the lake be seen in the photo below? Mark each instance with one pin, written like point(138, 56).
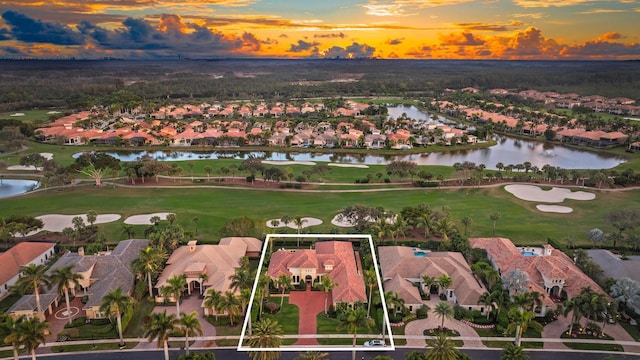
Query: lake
point(509, 151)
point(13, 187)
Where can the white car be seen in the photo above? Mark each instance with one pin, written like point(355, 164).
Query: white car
point(371, 343)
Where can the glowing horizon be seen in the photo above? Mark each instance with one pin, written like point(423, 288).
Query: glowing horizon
point(385, 29)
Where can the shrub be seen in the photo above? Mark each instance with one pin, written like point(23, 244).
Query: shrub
point(297, 186)
point(422, 312)
point(503, 320)
point(387, 180)
point(198, 356)
point(459, 312)
point(271, 307)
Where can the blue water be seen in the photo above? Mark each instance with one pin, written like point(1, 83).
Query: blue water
point(528, 253)
point(419, 254)
point(13, 187)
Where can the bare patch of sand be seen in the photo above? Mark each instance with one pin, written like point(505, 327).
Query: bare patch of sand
point(47, 156)
point(24, 168)
point(57, 222)
point(360, 166)
point(554, 209)
point(286, 162)
point(307, 221)
point(145, 219)
point(555, 195)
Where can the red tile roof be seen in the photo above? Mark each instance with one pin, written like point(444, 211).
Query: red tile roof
point(20, 255)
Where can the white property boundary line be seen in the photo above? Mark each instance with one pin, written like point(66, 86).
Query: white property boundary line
point(392, 346)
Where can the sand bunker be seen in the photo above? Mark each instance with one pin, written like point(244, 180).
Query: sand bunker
point(349, 165)
point(57, 222)
point(285, 162)
point(342, 221)
point(307, 221)
point(47, 156)
point(554, 209)
point(555, 195)
point(145, 219)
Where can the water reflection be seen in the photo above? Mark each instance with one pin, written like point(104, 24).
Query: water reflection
point(13, 187)
point(508, 151)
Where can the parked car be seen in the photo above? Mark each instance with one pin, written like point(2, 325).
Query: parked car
point(371, 343)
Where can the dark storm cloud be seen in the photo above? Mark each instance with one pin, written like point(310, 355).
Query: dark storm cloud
point(354, 50)
point(303, 46)
point(29, 30)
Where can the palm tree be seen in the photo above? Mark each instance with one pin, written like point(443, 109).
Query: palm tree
point(312, 355)
point(299, 223)
point(352, 320)
point(444, 281)
point(444, 227)
point(381, 229)
point(495, 216)
point(466, 221)
point(513, 352)
point(574, 306)
point(160, 327)
point(33, 276)
point(212, 300)
point(284, 282)
point(196, 220)
point(241, 279)
point(115, 303)
point(426, 221)
point(442, 348)
point(444, 310)
point(231, 304)
point(9, 333)
point(189, 323)
point(148, 262)
point(129, 231)
point(64, 278)
point(266, 334)
point(174, 289)
point(520, 321)
point(326, 285)
point(263, 287)
point(30, 334)
point(427, 282)
point(370, 278)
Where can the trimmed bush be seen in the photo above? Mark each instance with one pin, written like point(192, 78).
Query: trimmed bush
point(422, 312)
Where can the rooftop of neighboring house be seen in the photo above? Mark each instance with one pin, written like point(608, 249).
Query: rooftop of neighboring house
point(402, 261)
point(21, 255)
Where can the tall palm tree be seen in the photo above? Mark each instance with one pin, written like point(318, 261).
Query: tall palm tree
point(426, 221)
point(212, 300)
point(466, 221)
point(574, 306)
point(444, 227)
point(520, 321)
point(351, 321)
point(9, 333)
point(326, 285)
point(442, 348)
point(31, 333)
point(444, 310)
point(174, 289)
point(245, 301)
point(495, 216)
point(298, 221)
point(149, 262)
point(444, 281)
point(427, 282)
point(266, 334)
point(513, 352)
point(284, 282)
point(370, 278)
point(190, 324)
point(160, 327)
point(242, 278)
point(230, 304)
point(113, 304)
point(263, 288)
point(34, 276)
point(64, 278)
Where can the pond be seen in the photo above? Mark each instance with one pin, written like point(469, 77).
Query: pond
point(13, 187)
point(508, 151)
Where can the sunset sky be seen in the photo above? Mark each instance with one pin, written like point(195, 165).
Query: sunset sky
point(410, 29)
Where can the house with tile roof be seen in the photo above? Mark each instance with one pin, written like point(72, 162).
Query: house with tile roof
point(207, 266)
point(101, 274)
point(335, 259)
point(19, 256)
point(403, 267)
point(550, 271)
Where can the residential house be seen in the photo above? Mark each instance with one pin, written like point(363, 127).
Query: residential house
point(335, 259)
point(403, 269)
point(101, 274)
point(207, 266)
point(551, 272)
point(19, 256)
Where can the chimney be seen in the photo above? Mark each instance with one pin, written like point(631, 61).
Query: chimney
point(81, 251)
point(192, 246)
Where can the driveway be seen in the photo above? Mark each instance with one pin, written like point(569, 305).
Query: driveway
point(417, 327)
point(310, 303)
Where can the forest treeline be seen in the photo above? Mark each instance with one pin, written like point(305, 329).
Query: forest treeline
point(70, 84)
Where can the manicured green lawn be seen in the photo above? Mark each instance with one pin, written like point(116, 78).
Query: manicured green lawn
point(91, 347)
point(633, 330)
point(519, 219)
point(288, 317)
point(29, 115)
point(141, 310)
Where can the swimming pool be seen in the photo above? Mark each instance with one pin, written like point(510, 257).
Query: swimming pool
point(528, 253)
